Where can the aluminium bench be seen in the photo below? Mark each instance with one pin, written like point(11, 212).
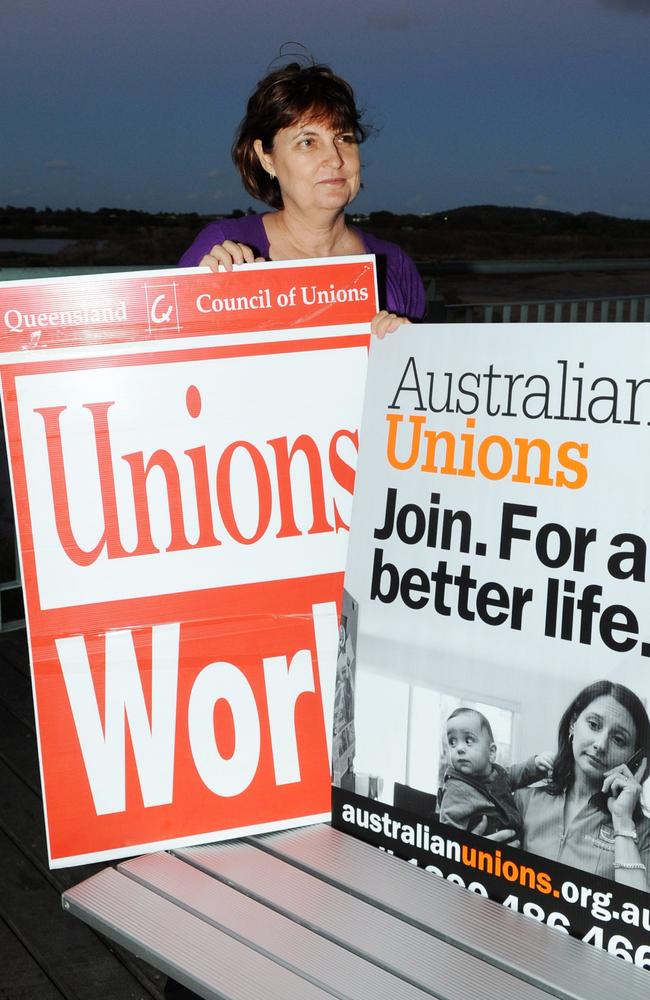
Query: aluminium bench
point(315, 913)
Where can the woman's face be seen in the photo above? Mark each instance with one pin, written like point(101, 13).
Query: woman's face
point(316, 167)
point(604, 736)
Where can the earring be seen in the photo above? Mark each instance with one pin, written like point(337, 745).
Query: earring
point(571, 733)
point(271, 175)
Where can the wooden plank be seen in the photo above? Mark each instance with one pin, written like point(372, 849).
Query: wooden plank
point(18, 748)
point(21, 813)
point(16, 688)
point(435, 966)
point(197, 955)
point(14, 651)
point(21, 819)
point(331, 966)
point(69, 953)
point(537, 954)
point(12, 608)
point(17, 694)
point(21, 977)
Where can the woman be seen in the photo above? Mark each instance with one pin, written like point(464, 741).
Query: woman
point(588, 814)
point(297, 149)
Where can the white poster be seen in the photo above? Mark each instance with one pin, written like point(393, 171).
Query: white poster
point(495, 642)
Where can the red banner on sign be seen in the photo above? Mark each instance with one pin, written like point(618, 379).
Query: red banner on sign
point(182, 492)
point(164, 305)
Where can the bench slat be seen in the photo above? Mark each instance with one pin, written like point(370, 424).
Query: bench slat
point(555, 962)
point(295, 947)
point(398, 947)
point(207, 961)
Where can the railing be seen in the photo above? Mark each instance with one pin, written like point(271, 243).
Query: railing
point(12, 610)
point(577, 309)
point(619, 309)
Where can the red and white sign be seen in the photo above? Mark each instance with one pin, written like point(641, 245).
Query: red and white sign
point(182, 447)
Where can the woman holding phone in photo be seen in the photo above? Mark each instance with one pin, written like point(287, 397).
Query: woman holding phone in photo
point(588, 812)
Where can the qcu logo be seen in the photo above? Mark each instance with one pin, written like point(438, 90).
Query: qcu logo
point(162, 307)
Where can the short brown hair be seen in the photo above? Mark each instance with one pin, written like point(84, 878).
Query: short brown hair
point(283, 97)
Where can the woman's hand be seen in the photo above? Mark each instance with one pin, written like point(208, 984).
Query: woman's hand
point(623, 790)
point(228, 253)
point(386, 322)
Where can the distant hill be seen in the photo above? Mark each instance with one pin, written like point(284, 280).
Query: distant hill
point(490, 232)
point(113, 236)
point(110, 236)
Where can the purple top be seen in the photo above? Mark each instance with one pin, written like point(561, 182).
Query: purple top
point(400, 287)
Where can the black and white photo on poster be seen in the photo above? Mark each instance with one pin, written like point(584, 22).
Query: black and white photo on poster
point(343, 739)
point(497, 567)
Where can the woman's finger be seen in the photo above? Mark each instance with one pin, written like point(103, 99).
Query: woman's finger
point(211, 260)
point(227, 254)
point(621, 785)
point(623, 798)
point(609, 780)
point(218, 257)
point(385, 322)
point(620, 771)
point(239, 252)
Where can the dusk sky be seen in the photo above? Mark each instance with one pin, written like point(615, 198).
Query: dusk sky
point(133, 103)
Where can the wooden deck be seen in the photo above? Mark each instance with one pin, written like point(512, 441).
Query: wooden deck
point(46, 954)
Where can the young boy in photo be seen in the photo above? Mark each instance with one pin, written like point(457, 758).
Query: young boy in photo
point(475, 786)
